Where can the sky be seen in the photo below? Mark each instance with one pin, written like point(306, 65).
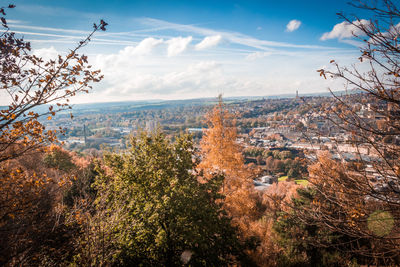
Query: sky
point(181, 49)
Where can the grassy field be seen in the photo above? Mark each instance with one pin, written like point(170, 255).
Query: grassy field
point(282, 178)
point(301, 182)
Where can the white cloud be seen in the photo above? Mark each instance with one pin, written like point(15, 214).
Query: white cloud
point(345, 30)
point(144, 47)
point(131, 38)
point(145, 67)
point(178, 45)
point(204, 75)
point(293, 25)
point(129, 76)
point(157, 76)
point(46, 53)
point(208, 42)
point(126, 78)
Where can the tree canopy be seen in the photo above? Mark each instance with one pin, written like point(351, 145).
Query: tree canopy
point(158, 212)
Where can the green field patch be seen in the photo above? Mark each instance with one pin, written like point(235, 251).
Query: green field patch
point(301, 182)
point(282, 178)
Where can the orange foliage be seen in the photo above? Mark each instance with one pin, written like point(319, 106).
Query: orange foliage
point(346, 200)
point(29, 193)
point(275, 199)
point(33, 202)
point(253, 212)
point(219, 149)
point(222, 154)
point(30, 82)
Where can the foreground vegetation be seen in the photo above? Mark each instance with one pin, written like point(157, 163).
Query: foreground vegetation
point(162, 202)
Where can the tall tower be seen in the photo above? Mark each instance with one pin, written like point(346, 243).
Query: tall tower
point(84, 133)
point(297, 94)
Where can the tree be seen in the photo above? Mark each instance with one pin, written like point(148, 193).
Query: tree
point(222, 154)
point(274, 200)
point(32, 222)
point(153, 211)
point(59, 159)
point(29, 82)
point(365, 194)
point(220, 151)
point(29, 190)
point(302, 239)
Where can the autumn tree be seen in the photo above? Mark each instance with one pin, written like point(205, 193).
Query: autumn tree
point(275, 200)
point(222, 154)
point(254, 213)
point(152, 210)
point(29, 82)
point(32, 212)
point(361, 199)
point(302, 239)
point(29, 190)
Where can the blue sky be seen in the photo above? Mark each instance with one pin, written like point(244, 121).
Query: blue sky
point(179, 49)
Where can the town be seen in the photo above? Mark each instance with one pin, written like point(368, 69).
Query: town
point(279, 135)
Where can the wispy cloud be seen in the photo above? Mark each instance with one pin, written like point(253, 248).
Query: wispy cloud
point(257, 55)
point(38, 28)
point(45, 34)
point(14, 21)
point(71, 38)
point(160, 29)
point(161, 59)
point(233, 37)
point(352, 42)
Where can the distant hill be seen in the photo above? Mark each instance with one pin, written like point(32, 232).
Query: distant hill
point(111, 107)
point(123, 106)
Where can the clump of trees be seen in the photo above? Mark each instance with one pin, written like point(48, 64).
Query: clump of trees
point(353, 209)
point(30, 191)
point(39, 194)
point(291, 163)
point(288, 163)
point(152, 209)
